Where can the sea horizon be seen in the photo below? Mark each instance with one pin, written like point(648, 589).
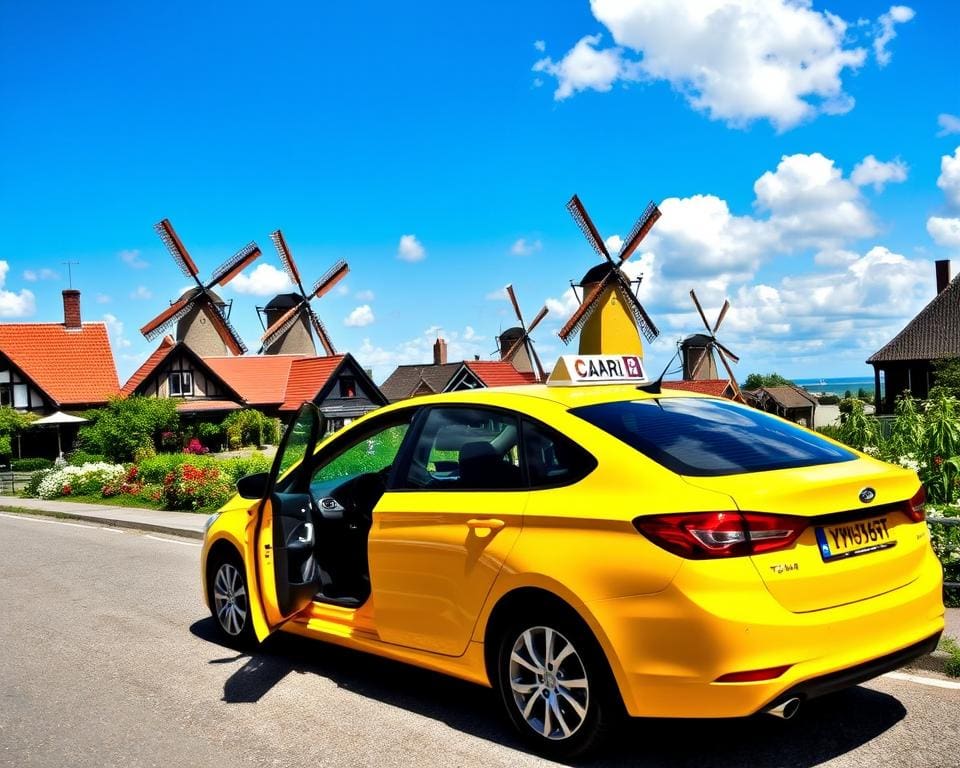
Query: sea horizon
point(837, 385)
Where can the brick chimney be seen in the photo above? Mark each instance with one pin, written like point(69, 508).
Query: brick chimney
point(439, 352)
point(943, 274)
point(71, 308)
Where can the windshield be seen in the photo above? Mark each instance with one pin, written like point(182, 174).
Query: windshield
point(702, 437)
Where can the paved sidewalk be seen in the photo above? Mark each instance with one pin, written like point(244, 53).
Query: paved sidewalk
point(177, 523)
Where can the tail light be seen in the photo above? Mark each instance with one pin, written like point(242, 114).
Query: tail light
point(916, 508)
point(705, 535)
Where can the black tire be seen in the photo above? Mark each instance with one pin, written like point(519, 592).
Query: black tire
point(588, 710)
point(229, 602)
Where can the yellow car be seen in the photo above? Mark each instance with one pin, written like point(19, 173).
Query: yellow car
point(588, 551)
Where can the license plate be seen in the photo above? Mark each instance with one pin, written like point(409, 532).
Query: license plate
point(857, 537)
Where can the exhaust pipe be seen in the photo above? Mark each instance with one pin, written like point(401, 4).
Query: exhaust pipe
point(786, 709)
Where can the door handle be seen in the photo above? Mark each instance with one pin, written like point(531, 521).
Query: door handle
point(490, 523)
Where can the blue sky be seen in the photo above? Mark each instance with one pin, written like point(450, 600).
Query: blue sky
point(806, 157)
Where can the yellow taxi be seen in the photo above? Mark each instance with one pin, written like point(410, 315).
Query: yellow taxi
point(588, 551)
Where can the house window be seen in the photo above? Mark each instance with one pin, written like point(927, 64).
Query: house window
point(348, 387)
point(6, 395)
point(181, 383)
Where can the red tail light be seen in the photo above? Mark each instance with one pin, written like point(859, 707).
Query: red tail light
point(753, 675)
point(916, 508)
point(705, 535)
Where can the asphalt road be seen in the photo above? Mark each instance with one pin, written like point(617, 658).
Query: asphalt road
point(109, 659)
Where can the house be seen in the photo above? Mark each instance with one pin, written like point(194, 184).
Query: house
point(906, 361)
point(47, 367)
point(212, 386)
point(714, 387)
point(789, 402)
point(441, 376)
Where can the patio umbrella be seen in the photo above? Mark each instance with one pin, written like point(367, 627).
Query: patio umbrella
point(56, 419)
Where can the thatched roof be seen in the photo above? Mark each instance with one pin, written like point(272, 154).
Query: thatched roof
point(933, 334)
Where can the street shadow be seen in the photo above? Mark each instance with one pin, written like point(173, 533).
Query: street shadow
point(827, 728)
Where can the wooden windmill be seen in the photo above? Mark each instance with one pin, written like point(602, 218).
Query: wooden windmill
point(201, 315)
point(516, 346)
point(698, 351)
point(610, 318)
point(289, 317)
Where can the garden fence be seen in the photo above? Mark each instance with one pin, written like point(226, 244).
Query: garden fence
point(950, 547)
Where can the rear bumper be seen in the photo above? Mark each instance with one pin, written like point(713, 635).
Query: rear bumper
point(667, 649)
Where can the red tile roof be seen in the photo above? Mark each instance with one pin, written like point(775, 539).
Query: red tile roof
point(498, 373)
point(72, 367)
point(149, 365)
point(715, 387)
point(260, 379)
point(308, 376)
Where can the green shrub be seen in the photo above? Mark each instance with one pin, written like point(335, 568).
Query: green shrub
point(829, 399)
point(30, 465)
point(156, 468)
point(242, 466)
point(34, 482)
point(79, 458)
point(127, 424)
point(193, 488)
point(249, 427)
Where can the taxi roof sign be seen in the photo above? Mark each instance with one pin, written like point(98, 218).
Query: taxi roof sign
point(582, 370)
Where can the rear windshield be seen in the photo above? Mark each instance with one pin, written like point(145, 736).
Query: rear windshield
point(693, 436)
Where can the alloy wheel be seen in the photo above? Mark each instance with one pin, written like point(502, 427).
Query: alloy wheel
point(230, 599)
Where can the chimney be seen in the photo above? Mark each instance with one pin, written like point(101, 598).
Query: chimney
point(439, 352)
point(71, 308)
point(943, 274)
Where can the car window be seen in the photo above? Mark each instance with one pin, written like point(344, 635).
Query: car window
point(369, 451)
point(466, 449)
point(552, 459)
point(704, 437)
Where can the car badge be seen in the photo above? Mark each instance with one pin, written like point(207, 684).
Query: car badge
point(867, 495)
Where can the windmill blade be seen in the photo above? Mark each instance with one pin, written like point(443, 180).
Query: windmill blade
point(579, 318)
point(700, 361)
point(322, 334)
point(286, 258)
point(515, 347)
point(644, 322)
point(235, 265)
point(580, 216)
point(536, 320)
point(170, 315)
point(700, 310)
point(516, 306)
point(723, 314)
point(726, 351)
point(282, 324)
point(170, 239)
point(733, 378)
point(539, 373)
point(644, 224)
point(334, 275)
point(224, 329)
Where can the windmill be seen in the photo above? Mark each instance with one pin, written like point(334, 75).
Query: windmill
point(289, 316)
point(610, 318)
point(698, 350)
point(515, 343)
point(201, 315)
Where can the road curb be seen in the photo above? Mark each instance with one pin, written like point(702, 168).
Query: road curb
point(136, 525)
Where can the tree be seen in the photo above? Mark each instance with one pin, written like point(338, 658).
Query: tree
point(127, 425)
point(757, 380)
point(946, 374)
point(12, 422)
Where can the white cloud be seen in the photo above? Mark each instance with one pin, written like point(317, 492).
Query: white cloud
point(524, 247)
point(33, 275)
point(343, 289)
point(878, 173)
point(420, 350)
point(364, 295)
point(948, 124)
point(614, 243)
point(736, 60)
point(360, 317)
point(115, 331)
point(410, 249)
point(13, 304)
point(141, 293)
point(540, 45)
point(945, 231)
point(500, 294)
point(949, 180)
point(102, 298)
point(586, 68)
point(898, 14)
point(264, 280)
point(132, 259)
point(470, 335)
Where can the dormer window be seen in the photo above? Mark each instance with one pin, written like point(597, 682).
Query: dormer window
point(348, 387)
point(181, 383)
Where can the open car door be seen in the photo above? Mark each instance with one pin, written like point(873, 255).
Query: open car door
point(286, 564)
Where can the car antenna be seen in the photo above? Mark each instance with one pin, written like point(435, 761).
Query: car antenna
point(653, 388)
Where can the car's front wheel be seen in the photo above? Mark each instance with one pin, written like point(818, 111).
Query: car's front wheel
point(229, 602)
point(555, 685)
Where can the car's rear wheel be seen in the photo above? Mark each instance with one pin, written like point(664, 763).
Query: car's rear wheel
point(555, 685)
point(229, 602)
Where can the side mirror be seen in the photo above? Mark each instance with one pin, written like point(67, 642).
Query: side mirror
point(253, 486)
